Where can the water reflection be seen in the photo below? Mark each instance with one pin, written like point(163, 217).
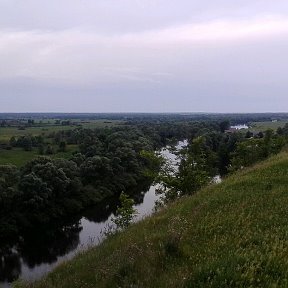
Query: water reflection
point(45, 245)
point(10, 265)
point(101, 213)
point(48, 244)
point(35, 248)
point(38, 251)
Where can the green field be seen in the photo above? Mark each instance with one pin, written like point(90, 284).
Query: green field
point(18, 157)
point(233, 234)
point(263, 126)
point(7, 132)
point(46, 128)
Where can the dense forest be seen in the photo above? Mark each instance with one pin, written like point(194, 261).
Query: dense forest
point(111, 160)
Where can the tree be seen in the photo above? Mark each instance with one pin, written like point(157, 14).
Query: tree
point(247, 153)
point(51, 174)
point(195, 167)
point(27, 143)
point(279, 131)
point(13, 141)
point(248, 134)
point(62, 146)
point(125, 212)
point(194, 171)
point(96, 169)
point(49, 150)
point(224, 125)
point(8, 176)
point(41, 149)
point(30, 122)
point(35, 192)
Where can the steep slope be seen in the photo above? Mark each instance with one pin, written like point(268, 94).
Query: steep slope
point(234, 234)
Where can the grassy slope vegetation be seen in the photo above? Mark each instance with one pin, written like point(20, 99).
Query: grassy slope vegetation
point(230, 235)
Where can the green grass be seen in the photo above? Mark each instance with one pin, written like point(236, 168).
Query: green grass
point(102, 123)
point(18, 157)
point(7, 132)
point(263, 126)
point(234, 234)
point(67, 154)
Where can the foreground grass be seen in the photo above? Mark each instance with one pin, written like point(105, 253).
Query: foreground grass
point(234, 234)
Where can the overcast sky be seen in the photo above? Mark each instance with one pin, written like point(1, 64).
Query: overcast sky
point(143, 56)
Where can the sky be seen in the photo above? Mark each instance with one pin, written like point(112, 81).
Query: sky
point(143, 56)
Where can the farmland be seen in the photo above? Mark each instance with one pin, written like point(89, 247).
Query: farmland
point(45, 128)
point(19, 157)
point(265, 125)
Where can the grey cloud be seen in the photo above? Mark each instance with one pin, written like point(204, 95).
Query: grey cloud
point(124, 55)
point(118, 16)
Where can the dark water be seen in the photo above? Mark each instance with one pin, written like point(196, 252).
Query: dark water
point(35, 254)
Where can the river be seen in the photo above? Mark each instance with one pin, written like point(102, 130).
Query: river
point(36, 254)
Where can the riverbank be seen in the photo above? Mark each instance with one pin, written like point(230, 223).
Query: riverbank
point(229, 235)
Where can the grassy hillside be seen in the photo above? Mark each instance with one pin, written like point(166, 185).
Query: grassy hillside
point(230, 235)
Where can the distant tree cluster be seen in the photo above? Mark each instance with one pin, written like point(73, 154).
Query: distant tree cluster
point(26, 142)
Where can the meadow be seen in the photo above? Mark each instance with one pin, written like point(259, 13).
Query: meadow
point(18, 157)
point(265, 125)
